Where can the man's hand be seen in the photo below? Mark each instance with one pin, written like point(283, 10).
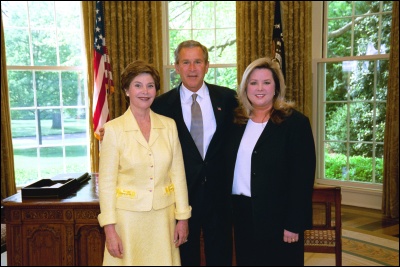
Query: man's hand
point(101, 130)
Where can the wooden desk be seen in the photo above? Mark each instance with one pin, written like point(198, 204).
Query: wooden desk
point(55, 232)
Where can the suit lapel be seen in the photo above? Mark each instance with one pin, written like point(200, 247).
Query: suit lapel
point(156, 125)
point(175, 106)
point(219, 111)
point(131, 125)
point(270, 130)
point(174, 103)
point(217, 104)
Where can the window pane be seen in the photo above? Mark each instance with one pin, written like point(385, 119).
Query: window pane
point(199, 9)
point(51, 161)
point(23, 128)
point(227, 11)
point(73, 93)
point(361, 121)
point(25, 165)
point(335, 164)
point(379, 164)
point(337, 80)
point(222, 76)
point(17, 46)
point(225, 46)
point(380, 121)
point(362, 7)
point(44, 47)
point(50, 127)
point(339, 38)
point(67, 14)
point(362, 81)
point(15, 13)
point(360, 166)
point(174, 78)
point(48, 88)
point(382, 79)
point(179, 14)
point(338, 9)
point(385, 34)
point(74, 127)
point(41, 14)
point(387, 5)
point(20, 86)
point(336, 122)
point(366, 37)
point(76, 158)
point(69, 48)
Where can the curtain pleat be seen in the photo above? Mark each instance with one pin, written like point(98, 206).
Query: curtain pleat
point(8, 186)
point(133, 31)
point(254, 27)
point(390, 198)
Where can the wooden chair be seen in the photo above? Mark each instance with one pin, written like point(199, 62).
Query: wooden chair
point(326, 234)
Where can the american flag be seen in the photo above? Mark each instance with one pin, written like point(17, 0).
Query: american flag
point(103, 83)
point(277, 38)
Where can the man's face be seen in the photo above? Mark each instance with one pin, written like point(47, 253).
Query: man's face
point(192, 68)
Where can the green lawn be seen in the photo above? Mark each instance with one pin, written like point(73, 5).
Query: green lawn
point(26, 160)
point(26, 128)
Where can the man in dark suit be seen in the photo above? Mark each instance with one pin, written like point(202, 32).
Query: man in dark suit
point(207, 187)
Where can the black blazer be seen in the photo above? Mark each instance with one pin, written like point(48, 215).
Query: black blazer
point(282, 175)
point(211, 169)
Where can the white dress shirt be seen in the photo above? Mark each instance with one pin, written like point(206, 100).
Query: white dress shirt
point(203, 98)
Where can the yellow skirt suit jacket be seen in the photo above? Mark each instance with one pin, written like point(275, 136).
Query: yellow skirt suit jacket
point(138, 180)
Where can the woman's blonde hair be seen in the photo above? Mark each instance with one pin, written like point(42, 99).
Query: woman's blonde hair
point(281, 107)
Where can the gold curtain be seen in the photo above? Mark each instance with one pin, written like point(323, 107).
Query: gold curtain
point(390, 200)
point(254, 26)
point(133, 31)
point(8, 187)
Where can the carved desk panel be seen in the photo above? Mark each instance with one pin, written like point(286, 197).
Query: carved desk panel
point(55, 232)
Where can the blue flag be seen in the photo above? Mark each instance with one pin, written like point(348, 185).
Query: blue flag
point(277, 39)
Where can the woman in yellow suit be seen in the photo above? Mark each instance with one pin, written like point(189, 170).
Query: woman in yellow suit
point(142, 185)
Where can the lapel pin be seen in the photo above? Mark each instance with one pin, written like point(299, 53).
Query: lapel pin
point(219, 108)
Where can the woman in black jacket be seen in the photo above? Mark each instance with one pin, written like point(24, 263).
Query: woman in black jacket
point(271, 164)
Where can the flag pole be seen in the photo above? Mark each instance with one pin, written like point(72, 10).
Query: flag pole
point(278, 52)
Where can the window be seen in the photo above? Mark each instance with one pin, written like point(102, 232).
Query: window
point(351, 84)
point(216, 30)
point(47, 88)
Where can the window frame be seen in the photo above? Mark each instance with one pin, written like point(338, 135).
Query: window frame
point(167, 66)
point(319, 36)
point(59, 69)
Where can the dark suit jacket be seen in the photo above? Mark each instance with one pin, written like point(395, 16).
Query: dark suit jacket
point(282, 175)
point(211, 168)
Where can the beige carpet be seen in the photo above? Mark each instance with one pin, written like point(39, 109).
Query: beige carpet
point(360, 248)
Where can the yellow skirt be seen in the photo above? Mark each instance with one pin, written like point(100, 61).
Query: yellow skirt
point(147, 238)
